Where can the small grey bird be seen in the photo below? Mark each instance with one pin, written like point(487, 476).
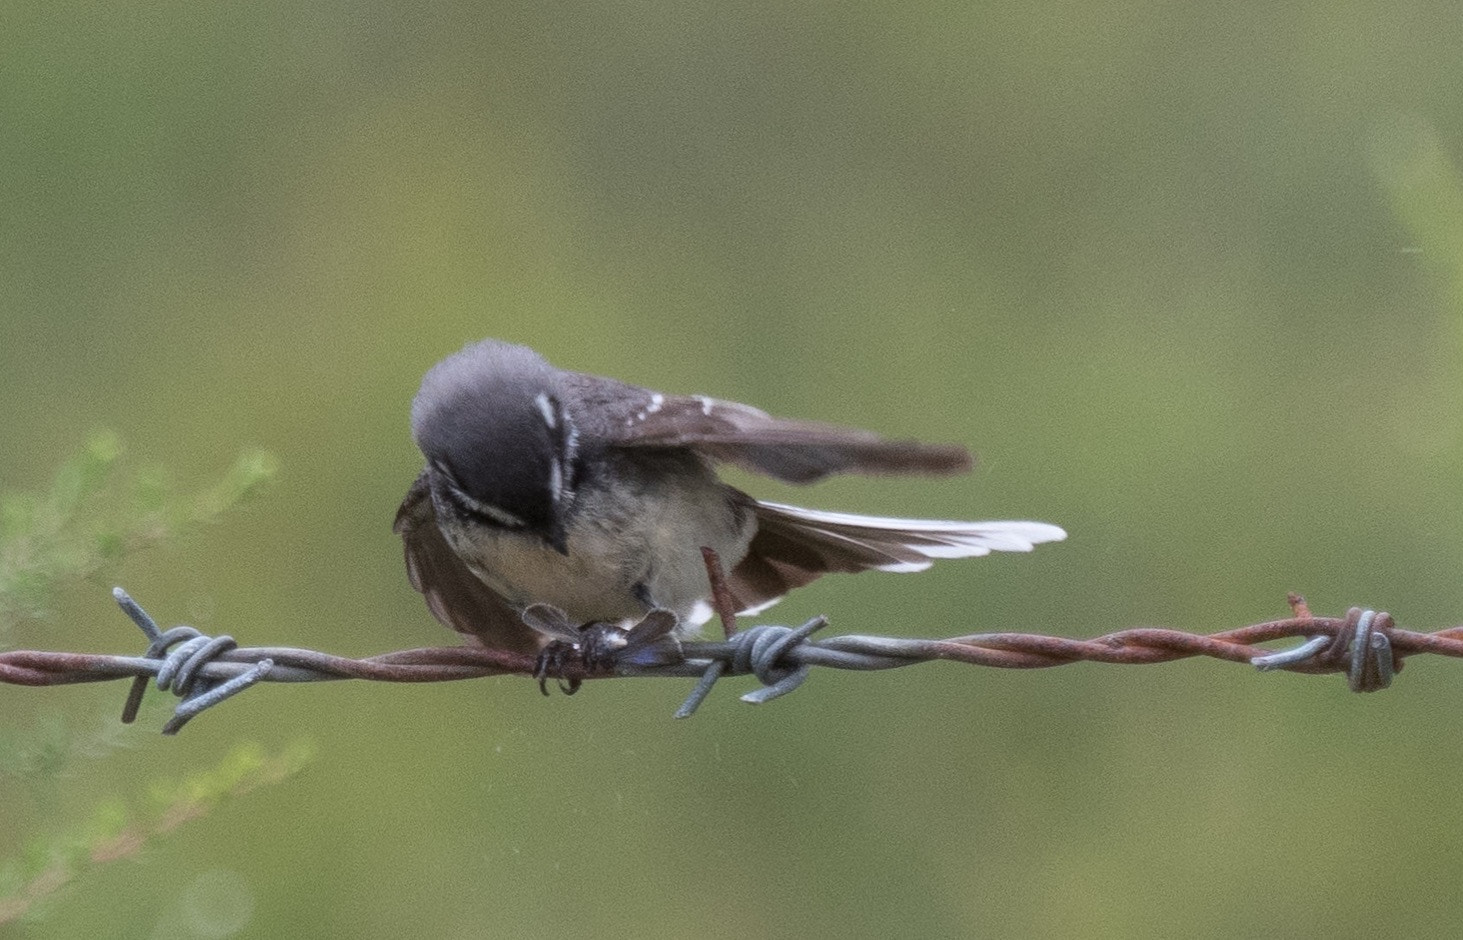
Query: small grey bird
point(596, 497)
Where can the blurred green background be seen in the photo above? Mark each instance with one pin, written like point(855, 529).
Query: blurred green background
point(1186, 277)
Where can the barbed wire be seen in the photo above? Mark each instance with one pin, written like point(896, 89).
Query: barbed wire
point(203, 671)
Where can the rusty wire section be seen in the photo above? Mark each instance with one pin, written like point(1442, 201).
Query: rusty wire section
point(203, 671)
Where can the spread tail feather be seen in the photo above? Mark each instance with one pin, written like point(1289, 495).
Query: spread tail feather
point(795, 546)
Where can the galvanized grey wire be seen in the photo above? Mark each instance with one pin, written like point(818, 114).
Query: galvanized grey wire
point(181, 669)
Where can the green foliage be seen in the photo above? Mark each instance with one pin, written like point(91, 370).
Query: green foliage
point(116, 830)
point(94, 513)
point(40, 755)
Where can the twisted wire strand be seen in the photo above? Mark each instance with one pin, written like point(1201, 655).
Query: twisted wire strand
point(202, 671)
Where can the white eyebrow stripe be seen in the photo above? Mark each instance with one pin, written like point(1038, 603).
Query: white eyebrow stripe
point(502, 515)
point(546, 408)
point(556, 479)
point(571, 440)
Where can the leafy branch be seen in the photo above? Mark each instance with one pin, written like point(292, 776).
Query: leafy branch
point(116, 830)
point(95, 512)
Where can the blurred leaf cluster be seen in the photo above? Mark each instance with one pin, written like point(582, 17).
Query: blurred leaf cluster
point(94, 512)
point(116, 830)
point(41, 755)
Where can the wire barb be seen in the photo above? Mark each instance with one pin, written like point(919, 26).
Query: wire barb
point(181, 669)
point(760, 651)
point(1363, 632)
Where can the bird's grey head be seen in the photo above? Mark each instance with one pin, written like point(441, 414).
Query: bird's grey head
point(499, 442)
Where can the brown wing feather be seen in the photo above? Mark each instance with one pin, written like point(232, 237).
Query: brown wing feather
point(453, 593)
point(790, 450)
point(784, 555)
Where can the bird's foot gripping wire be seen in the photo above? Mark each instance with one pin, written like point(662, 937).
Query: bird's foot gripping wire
point(598, 648)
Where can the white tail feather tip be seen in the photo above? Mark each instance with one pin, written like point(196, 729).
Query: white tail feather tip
point(933, 538)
